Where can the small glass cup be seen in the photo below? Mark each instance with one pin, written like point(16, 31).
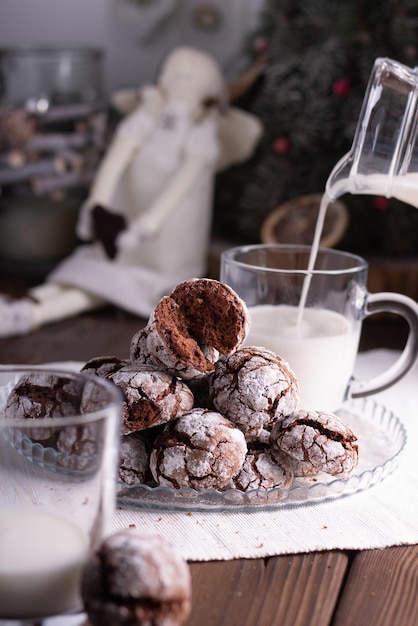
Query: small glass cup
point(59, 436)
point(320, 339)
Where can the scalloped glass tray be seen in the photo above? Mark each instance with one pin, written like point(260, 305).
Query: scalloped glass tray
point(381, 439)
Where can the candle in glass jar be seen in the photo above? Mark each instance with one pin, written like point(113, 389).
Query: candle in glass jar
point(41, 558)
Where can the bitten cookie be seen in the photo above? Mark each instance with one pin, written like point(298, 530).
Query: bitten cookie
point(151, 397)
point(188, 329)
point(214, 312)
point(201, 449)
point(253, 387)
point(136, 579)
point(316, 442)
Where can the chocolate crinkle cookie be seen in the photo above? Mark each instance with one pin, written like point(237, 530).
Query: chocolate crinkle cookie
point(48, 395)
point(134, 455)
point(43, 395)
point(78, 445)
point(151, 396)
point(264, 468)
point(188, 329)
point(138, 350)
point(214, 312)
point(316, 442)
point(253, 387)
point(201, 449)
point(136, 579)
point(104, 365)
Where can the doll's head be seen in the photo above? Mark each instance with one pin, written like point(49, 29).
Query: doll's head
point(193, 77)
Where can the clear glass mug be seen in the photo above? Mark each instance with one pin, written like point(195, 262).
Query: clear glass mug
point(383, 159)
point(322, 347)
point(59, 442)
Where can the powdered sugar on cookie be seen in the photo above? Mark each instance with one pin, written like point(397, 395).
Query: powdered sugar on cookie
point(201, 449)
point(254, 387)
point(317, 441)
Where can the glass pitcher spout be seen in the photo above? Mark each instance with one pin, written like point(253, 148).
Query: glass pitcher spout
point(339, 180)
point(383, 159)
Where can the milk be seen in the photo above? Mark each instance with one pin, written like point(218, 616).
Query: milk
point(404, 188)
point(41, 557)
point(323, 361)
point(320, 347)
point(325, 200)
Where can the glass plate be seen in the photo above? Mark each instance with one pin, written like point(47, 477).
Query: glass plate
point(381, 439)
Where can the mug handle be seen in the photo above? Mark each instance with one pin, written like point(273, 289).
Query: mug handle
point(408, 309)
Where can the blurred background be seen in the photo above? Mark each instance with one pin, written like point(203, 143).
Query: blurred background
point(301, 66)
point(133, 34)
point(77, 54)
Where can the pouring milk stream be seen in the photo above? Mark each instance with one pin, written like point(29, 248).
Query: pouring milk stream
point(383, 160)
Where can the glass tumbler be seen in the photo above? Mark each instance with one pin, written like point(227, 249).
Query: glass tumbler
point(59, 434)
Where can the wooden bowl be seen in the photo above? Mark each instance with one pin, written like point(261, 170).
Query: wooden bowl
point(295, 221)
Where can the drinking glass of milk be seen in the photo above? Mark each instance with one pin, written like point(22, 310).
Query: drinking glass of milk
point(313, 317)
point(59, 434)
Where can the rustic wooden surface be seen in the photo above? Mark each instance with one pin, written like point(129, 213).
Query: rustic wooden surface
point(336, 588)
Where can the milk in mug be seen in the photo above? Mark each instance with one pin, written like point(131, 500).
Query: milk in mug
point(321, 349)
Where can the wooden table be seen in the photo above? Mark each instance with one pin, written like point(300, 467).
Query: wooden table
point(338, 588)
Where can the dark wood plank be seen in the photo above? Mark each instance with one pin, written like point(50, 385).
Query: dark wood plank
point(225, 591)
point(298, 590)
point(105, 332)
point(381, 589)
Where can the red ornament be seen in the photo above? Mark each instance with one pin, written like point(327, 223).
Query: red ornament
point(381, 203)
point(281, 145)
point(341, 87)
point(261, 44)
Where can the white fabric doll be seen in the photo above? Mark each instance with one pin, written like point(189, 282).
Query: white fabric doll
point(155, 182)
